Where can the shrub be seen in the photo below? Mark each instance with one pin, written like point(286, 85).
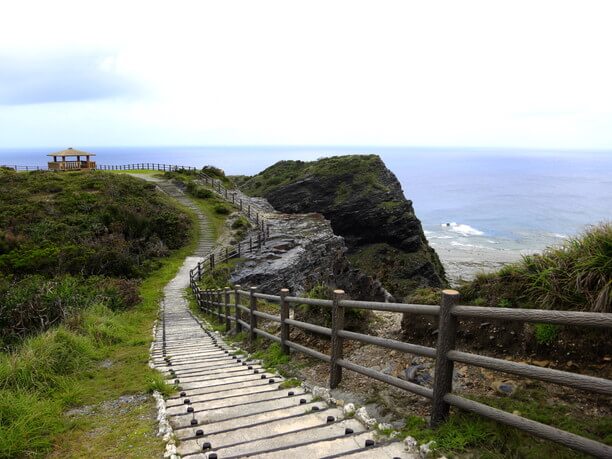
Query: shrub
point(575, 276)
point(222, 209)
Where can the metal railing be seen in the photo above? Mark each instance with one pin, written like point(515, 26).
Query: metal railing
point(230, 310)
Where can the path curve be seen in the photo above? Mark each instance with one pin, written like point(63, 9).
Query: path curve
point(231, 407)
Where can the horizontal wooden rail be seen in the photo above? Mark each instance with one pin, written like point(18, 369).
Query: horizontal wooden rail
point(264, 296)
point(267, 316)
point(533, 427)
point(578, 381)
point(584, 319)
point(390, 344)
point(265, 334)
point(308, 351)
point(411, 387)
point(392, 307)
point(309, 301)
point(310, 327)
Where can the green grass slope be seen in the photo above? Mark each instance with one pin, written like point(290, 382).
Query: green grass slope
point(83, 261)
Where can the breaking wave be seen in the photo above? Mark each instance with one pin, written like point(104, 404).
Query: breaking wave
point(463, 229)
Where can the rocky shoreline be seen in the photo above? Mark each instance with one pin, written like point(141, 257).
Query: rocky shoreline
point(464, 263)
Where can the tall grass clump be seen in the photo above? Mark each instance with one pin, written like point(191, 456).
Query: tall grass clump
point(574, 276)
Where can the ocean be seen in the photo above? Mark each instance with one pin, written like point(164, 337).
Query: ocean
point(480, 208)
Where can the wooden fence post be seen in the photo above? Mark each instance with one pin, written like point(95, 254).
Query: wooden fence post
point(443, 378)
point(241, 204)
point(335, 370)
point(199, 271)
point(219, 307)
point(249, 211)
point(212, 261)
point(239, 254)
point(284, 314)
point(228, 322)
point(251, 244)
point(236, 308)
point(252, 317)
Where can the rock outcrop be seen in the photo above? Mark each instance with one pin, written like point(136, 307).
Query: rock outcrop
point(366, 206)
point(301, 253)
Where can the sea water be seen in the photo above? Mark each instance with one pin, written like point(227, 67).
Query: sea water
point(484, 204)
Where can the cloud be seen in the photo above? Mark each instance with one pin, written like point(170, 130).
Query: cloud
point(63, 78)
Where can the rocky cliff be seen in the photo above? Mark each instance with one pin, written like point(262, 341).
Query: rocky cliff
point(301, 253)
point(365, 204)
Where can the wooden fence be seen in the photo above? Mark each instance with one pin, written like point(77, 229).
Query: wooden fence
point(226, 305)
point(231, 310)
point(145, 166)
point(24, 168)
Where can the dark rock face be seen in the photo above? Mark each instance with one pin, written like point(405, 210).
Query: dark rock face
point(365, 204)
point(364, 215)
point(301, 253)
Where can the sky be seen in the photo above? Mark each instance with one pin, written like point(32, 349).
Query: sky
point(530, 74)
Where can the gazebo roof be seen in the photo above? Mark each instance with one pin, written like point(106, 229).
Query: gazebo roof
point(71, 152)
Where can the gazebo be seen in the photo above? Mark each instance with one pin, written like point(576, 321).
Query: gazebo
point(70, 160)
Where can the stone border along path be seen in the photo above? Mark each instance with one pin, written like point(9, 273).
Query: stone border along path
point(228, 405)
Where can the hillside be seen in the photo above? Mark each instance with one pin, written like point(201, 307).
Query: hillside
point(83, 259)
point(71, 240)
point(365, 203)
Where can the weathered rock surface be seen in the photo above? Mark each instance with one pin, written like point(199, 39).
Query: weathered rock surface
point(365, 204)
point(302, 252)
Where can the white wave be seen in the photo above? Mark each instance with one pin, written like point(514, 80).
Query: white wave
point(560, 236)
point(461, 244)
point(463, 229)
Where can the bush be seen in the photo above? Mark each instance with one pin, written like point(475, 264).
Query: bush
point(222, 209)
point(35, 303)
point(62, 223)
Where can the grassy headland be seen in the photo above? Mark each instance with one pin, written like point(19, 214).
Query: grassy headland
point(83, 260)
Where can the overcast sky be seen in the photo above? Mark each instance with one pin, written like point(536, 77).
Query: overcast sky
point(423, 73)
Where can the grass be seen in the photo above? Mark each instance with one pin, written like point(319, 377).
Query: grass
point(466, 433)
point(362, 172)
point(575, 276)
point(95, 357)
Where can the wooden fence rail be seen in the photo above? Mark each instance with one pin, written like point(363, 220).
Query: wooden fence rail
point(245, 318)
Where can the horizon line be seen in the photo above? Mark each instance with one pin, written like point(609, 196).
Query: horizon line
point(356, 146)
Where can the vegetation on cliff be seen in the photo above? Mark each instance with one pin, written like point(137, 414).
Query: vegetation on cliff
point(83, 259)
point(365, 204)
point(575, 276)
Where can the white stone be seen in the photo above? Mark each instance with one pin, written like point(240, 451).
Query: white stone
point(363, 416)
point(349, 409)
point(411, 444)
point(426, 449)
